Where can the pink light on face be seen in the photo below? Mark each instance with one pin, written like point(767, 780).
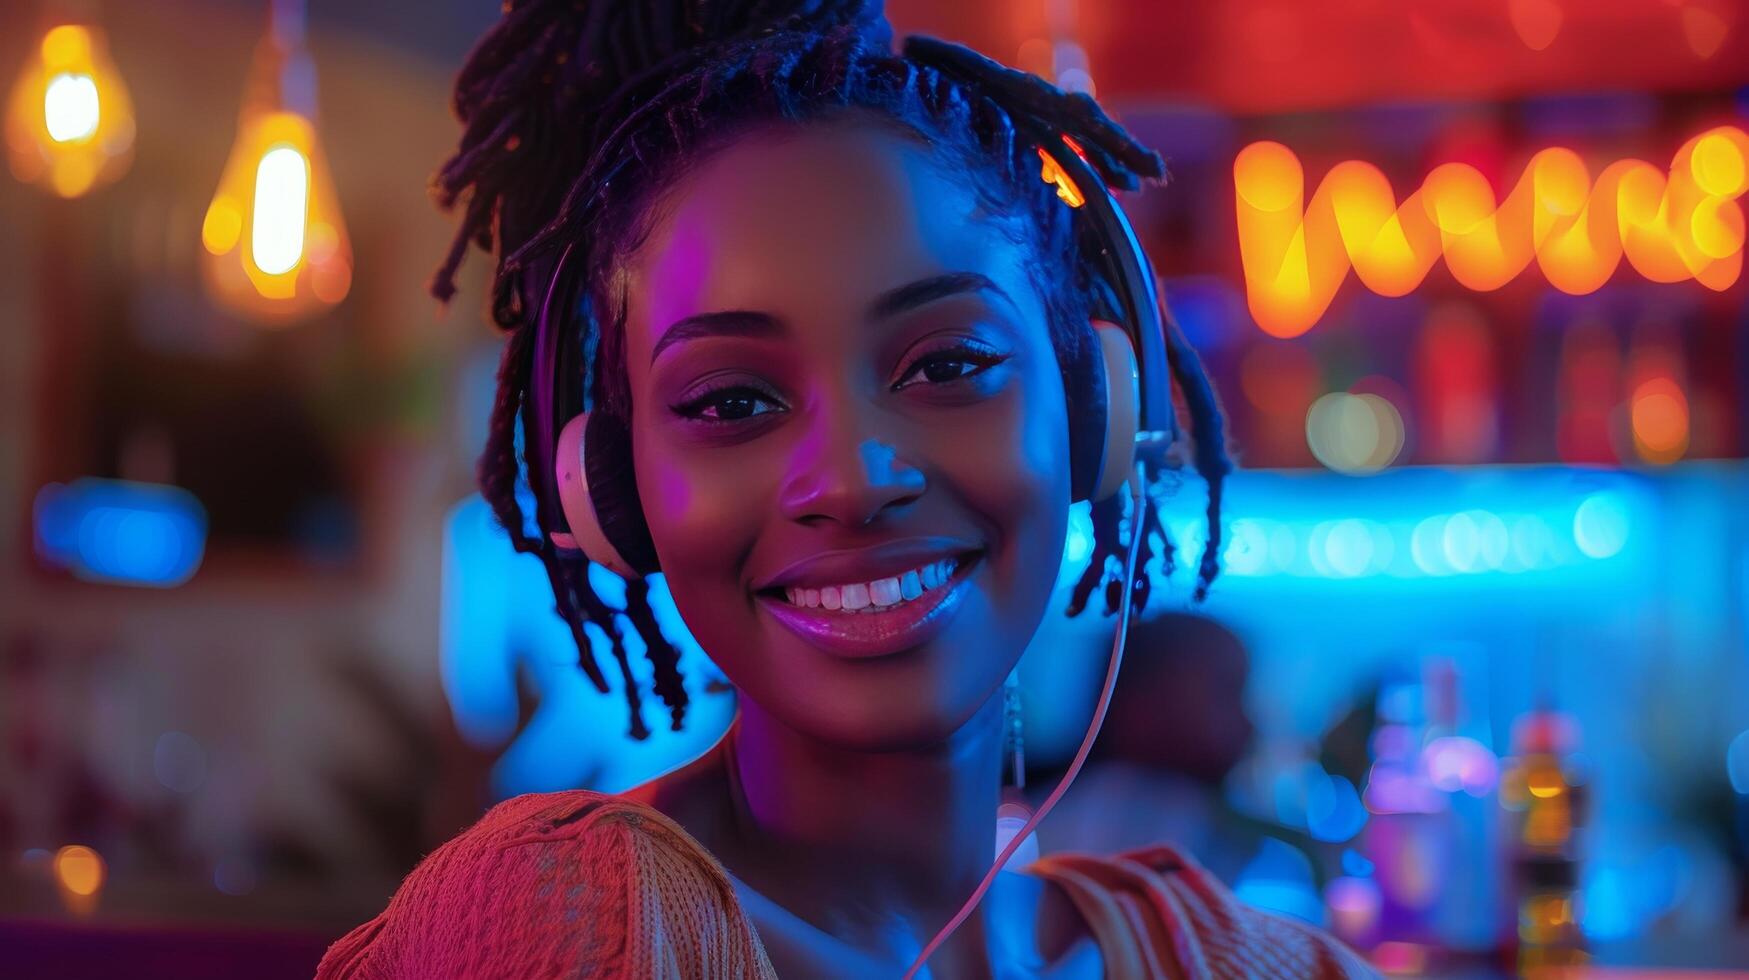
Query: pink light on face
point(685, 273)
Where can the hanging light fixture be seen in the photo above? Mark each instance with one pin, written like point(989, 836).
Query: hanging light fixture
point(69, 122)
point(276, 250)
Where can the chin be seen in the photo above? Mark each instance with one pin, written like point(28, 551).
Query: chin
point(906, 700)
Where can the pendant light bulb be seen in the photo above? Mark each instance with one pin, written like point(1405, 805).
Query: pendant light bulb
point(276, 248)
point(69, 121)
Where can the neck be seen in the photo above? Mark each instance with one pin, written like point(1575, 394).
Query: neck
point(913, 826)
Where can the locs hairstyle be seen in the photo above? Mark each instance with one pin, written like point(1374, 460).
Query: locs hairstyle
point(576, 112)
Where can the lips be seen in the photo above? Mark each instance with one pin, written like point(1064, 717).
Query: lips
point(872, 602)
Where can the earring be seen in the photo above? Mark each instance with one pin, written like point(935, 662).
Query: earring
point(1015, 747)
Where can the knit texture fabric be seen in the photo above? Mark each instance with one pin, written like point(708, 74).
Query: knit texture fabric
point(1156, 913)
point(580, 884)
point(573, 884)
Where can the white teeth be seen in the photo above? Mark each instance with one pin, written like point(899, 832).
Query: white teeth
point(878, 594)
point(884, 591)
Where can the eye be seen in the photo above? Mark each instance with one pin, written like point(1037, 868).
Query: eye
point(957, 363)
point(729, 403)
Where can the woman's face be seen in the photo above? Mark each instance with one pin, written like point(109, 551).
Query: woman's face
point(849, 431)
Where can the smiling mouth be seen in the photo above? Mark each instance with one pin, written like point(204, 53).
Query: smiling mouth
point(877, 595)
point(878, 617)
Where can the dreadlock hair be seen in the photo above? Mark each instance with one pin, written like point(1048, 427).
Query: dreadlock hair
point(578, 112)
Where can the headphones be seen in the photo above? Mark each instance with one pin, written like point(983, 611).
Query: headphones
point(595, 487)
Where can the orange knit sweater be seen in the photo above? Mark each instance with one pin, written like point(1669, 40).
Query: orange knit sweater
point(578, 884)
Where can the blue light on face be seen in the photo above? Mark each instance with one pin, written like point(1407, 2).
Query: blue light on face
point(119, 532)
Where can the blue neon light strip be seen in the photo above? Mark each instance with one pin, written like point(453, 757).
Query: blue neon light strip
point(1444, 527)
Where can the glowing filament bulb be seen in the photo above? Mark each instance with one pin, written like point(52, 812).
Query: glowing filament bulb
point(282, 196)
point(70, 107)
point(69, 123)
point(276, 249)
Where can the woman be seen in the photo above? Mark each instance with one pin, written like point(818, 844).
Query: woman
point(833, 319)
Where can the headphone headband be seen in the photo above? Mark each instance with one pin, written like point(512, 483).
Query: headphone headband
point(1125, 266)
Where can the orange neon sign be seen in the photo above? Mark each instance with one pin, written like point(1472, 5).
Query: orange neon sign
point(1684, 225)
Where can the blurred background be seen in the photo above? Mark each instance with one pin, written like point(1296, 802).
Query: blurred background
point(1472, 692)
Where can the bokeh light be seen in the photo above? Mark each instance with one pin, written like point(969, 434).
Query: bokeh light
point(70, 107)
point(1659, 415)
point(1537, 22)
point(79, 869)
point(69, 120)
point(1737, 762)
point(1354, 904)
point(1600, 525)
point(1457, 763)
point(1247, 549)
point(121, 532)
point(1354, 434)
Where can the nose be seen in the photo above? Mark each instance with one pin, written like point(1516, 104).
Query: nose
point(847, 477)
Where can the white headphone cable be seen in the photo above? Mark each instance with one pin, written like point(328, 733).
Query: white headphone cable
point(1138, 498)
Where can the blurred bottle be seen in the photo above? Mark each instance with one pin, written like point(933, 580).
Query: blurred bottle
point(1405, 838)
point(1458, 759)
point(1545, 793)
point(1434, 834)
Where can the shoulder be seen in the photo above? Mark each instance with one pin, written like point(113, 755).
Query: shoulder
point(1155, 906)
point(547, 884)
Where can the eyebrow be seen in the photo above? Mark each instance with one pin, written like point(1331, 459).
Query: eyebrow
point(749, 323)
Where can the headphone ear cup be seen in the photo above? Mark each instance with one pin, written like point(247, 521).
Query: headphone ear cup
point(586, 481)
point(1122, 408)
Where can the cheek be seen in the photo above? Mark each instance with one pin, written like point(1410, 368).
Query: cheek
point(1015, 471)
point(703, 509)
